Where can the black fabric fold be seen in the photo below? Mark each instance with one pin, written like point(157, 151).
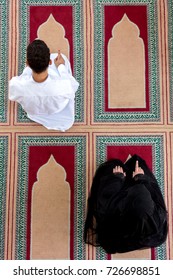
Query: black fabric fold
point(125, 213)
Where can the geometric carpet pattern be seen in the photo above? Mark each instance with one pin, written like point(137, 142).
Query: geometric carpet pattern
point(121, 53)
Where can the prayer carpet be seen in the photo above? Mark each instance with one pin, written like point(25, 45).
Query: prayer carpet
point(121, 52)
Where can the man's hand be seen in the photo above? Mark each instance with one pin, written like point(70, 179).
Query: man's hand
point(59, 59)
point(138, 170)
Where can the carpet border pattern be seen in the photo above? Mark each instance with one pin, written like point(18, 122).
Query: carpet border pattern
point(170, 42)
point(4, 23)
point(3, 182)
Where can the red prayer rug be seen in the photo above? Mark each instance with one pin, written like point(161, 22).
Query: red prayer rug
point(122, 56)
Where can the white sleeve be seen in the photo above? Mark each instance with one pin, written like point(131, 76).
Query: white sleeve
point(65, 71)
point(12, 90)
point(67, 63)
point(13, 84)
point(65, 75)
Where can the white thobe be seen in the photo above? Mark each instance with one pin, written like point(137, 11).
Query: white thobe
point(50, 103)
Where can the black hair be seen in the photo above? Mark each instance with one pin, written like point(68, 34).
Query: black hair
point(38, 56)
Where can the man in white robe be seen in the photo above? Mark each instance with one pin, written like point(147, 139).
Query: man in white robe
point(46, 88)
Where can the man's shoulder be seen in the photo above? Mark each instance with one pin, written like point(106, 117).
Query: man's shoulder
point(17, 80)
point(24, 76)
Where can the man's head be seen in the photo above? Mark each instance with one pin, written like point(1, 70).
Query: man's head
point(38, 56)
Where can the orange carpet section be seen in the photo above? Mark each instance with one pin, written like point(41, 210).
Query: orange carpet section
point(122, 56)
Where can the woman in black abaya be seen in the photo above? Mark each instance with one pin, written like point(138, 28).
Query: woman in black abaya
point(126, 210)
